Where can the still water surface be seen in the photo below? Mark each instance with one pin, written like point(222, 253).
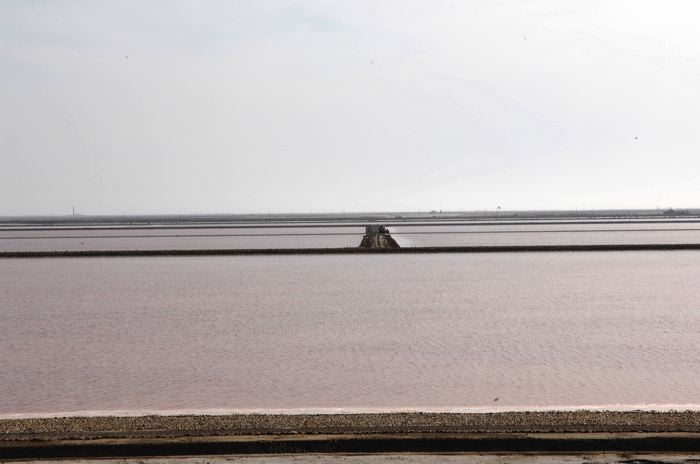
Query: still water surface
point(335, 236)
point(546, 234)
point(366, 331)
point(179, 238)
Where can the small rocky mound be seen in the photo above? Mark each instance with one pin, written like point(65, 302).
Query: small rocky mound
point(378, 237)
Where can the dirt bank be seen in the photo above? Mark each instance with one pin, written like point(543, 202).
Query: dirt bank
point(509, 432)
point(349, 251)
point(548, 421)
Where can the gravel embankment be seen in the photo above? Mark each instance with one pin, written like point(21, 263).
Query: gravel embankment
point(254, 424)
point(350, 251)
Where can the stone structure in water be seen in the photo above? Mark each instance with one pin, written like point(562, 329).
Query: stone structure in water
point(378, 237)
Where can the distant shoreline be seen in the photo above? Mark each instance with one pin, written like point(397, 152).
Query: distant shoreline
point(348, 251)
point(353, 224)
point(383, 217)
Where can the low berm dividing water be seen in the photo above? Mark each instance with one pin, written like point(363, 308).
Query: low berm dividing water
point(341, 251)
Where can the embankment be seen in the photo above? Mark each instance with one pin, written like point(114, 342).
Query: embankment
point(505, 432)
point(348, 251)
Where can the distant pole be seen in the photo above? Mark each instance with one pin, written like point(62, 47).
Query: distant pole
point(74, 211)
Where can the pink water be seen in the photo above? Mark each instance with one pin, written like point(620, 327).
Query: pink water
point(396, 331)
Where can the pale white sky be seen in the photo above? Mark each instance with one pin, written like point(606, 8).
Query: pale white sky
point(298, 106)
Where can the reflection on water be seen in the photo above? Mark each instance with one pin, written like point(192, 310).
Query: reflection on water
point(504, 330)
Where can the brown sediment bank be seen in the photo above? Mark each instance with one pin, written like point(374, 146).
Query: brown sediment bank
point(550, 431)
point(349, 251)
point(401, 422)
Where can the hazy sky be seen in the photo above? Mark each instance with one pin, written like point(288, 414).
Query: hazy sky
point(298, 106)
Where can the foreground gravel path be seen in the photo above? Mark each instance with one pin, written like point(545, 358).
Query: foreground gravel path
point(254, 424)
point(602, 458)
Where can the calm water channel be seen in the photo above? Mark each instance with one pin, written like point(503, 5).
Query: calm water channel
point(426, 331)
point(334, 236)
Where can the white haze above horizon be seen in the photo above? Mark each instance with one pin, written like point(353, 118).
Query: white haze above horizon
point(311, 106)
